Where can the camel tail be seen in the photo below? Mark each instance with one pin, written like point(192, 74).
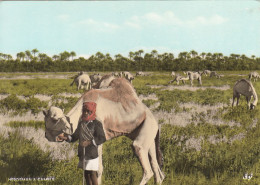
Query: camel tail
point(159, 154)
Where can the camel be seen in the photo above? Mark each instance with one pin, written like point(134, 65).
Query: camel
point(95, 78)
point(81, 80)
point(179, 78)
point(121, 112)
point(254, 75)
point(129, 76)
point(139, 73)
point(194, 76)
point(104, 82)
point(173, 74)
point(245, 88)
point(214, 73)
point(206, 72)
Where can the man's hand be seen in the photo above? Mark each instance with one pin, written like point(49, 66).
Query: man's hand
point(61, 137)
point(85, 143)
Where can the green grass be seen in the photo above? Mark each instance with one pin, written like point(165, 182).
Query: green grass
point(17, 106)
point(37, 86)
point(223, 162)
point(32, 123)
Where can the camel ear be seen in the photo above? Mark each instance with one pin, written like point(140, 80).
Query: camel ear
point(44, 112)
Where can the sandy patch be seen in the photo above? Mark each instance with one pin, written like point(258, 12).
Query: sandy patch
point(190, 88)
point(185, 118)
point(149, 97)
point(24, 77)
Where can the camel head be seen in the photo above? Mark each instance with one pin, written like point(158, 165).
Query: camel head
point(56, 123)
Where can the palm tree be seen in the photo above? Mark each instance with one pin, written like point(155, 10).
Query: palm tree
point(55, 57)
point(72, 54)
point(42, 56)
point(154, 53)
point(203, 54)
point(140, 52)
point(34, 51)
point(208, 55)
point(253, 57)
point(193, 53)
point(183, 55)
point(64, 56)
point(22, 55)
point(9, 57)
point(118, 56)
point(28, 55)
point(131, 55)
point(18, 56)
point(4, 56)
point(99, 55)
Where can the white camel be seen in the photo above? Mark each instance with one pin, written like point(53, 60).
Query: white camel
point(179, 78)
point(139, 73)
point(121, 112)
point(254, 75)
point(173, 74)
point(95, 78)
point(129, 76)
point(206, 72)
point(245, 88)
point(194, 76)
point(104, 82)
point(82, 80)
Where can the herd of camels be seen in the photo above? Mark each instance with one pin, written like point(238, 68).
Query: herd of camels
point(121, 112)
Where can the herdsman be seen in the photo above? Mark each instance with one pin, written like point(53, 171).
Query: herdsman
point(90, 134)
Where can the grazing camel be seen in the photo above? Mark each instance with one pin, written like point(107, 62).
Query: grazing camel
point(245, 88)
point(173, 74)
point(206, 72)
point(121, 112)
point(254, 75)
point(140, 73)
point(179, 78)
point(213, 73)
point(194, 76)
point(104, 82)
point(129, 76)
point(82, 80)
point(95, 78)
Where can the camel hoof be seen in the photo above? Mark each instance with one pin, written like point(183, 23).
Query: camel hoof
point(146, 178)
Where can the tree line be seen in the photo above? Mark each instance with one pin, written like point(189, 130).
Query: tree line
point(34, 61)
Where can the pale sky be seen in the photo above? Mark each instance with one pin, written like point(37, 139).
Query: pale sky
point(118, 27)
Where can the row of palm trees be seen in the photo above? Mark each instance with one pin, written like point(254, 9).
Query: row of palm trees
point(137, 55)
point(139, 60)
point(31, 56)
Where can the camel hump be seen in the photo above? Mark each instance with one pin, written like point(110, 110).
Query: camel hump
point(244, 81)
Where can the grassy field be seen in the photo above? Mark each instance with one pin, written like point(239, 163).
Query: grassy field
point(204, 140)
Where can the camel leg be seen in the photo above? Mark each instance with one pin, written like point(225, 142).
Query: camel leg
point(142, 153)
point(233, 101)
point(159, 176)
point(200, 82)
point(79, 84)
point(248, 101)
point(238, 96)
point(142, 144)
